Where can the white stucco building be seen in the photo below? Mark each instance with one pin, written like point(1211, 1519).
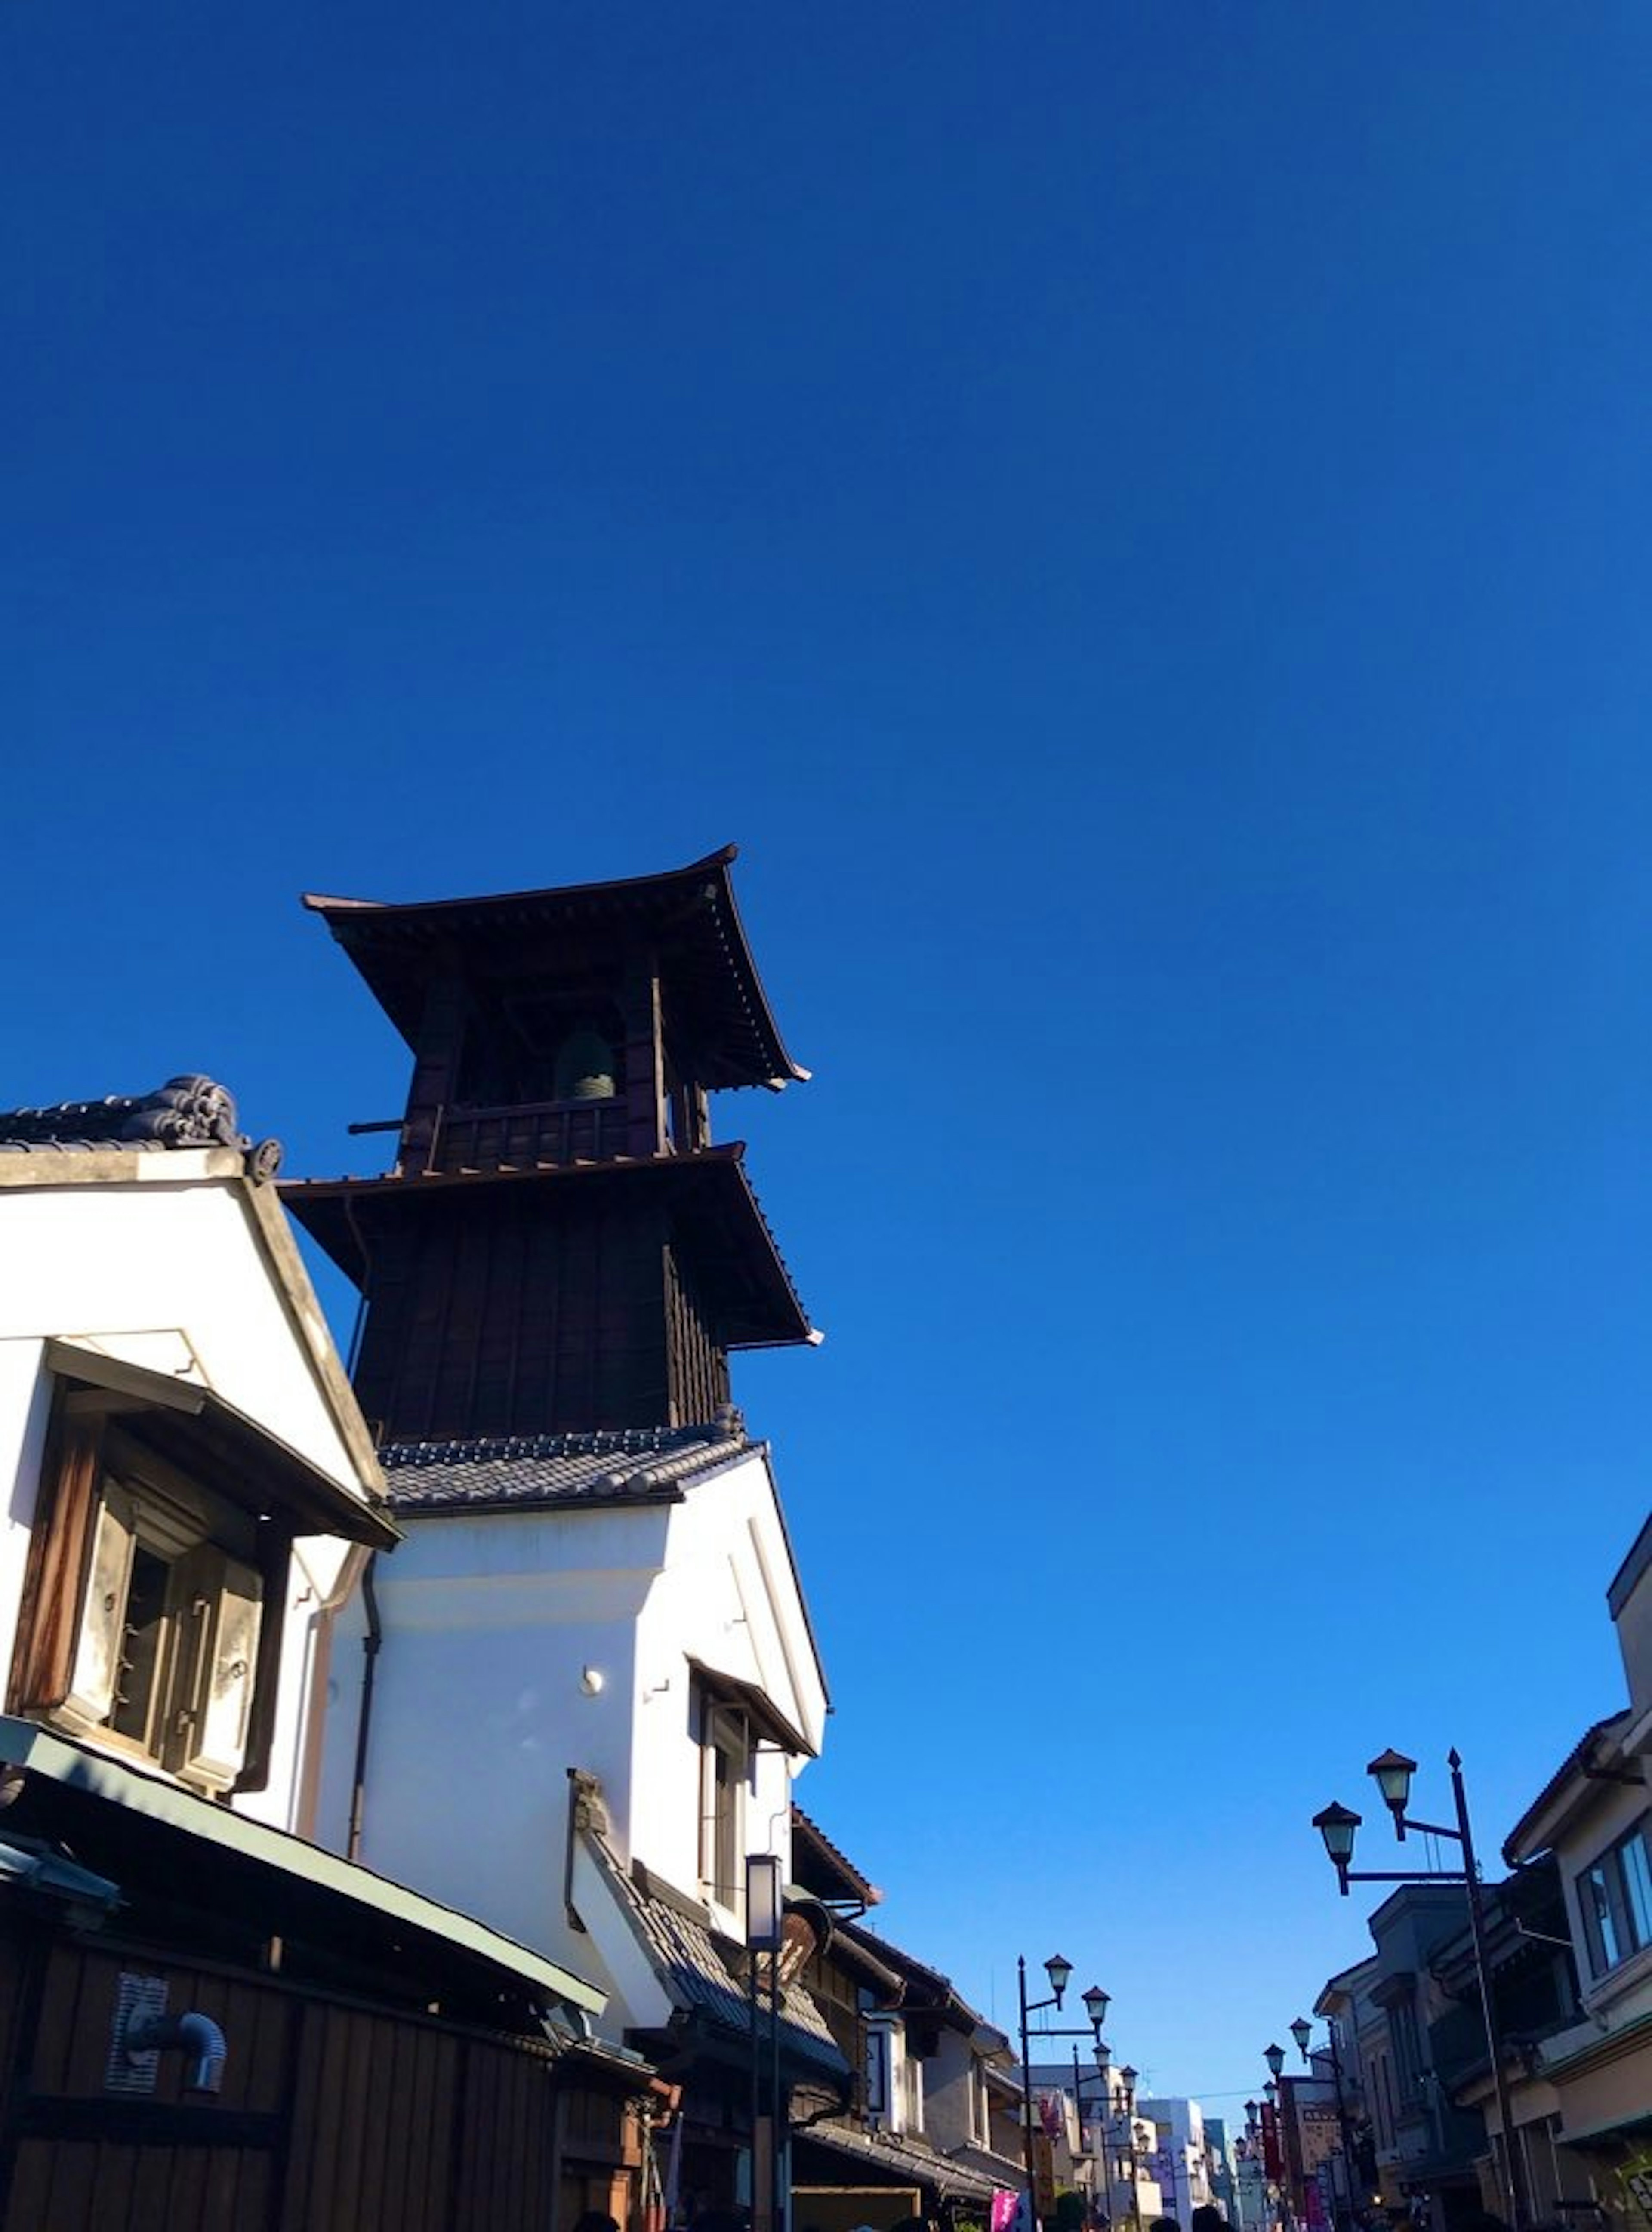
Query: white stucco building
point(608, 1638)
point(184, 1469)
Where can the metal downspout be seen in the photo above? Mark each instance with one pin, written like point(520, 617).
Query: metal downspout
point(372, 1643)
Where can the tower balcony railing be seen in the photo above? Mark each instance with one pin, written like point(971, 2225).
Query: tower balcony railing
point(526, 1135)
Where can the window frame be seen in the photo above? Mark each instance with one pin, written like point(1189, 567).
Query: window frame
point(1614, 1900)
point(103, 1491)
point(724, 1734)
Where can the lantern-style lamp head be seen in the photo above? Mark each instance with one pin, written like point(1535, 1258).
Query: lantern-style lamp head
point(1302, 2031)
point(1096, 2004)
point(1393, 1773)
point(1271, 2091)
point(1337, 1825)
point(1059, 1973)
point(1250, 2112)
point(765, 1909)
point(1274, 2057)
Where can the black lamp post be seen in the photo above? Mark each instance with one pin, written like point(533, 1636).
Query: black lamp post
point(1393, 1771)
point(1302, 2031)
point(1096, 2004)
point(1102, 2054)
point(1274, 2054)
point(765, 1925)
point(1127, 2095)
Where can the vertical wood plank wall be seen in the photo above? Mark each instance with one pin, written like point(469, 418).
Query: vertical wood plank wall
point(332, 2118)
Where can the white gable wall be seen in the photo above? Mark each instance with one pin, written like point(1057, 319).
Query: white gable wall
point(489, 1624)
point(729, 1598)
point(480, 1708)
point(178, 1267)
point(25, 1404)
point(175, 1276)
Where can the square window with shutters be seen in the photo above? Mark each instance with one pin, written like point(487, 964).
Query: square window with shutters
point(147, 1615)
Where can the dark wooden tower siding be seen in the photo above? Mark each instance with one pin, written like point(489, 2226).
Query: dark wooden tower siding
point(559, 1247)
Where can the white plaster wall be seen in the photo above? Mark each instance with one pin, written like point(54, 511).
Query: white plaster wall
point(315, 1572)
point(157, 1273)
point(173, 1277)
point(729, 1598)
point(949, 2087)
point(25, 1404)
point(479, 1710)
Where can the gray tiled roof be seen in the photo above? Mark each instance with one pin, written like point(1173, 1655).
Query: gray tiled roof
point(683, 1953)
point(645, 1464)
point(901, 2159)
point(188, 1111)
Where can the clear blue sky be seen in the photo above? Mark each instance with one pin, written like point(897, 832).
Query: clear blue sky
point(1136, 518)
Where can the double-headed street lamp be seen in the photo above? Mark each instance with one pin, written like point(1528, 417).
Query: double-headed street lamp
point(1302, 2031)
point(1253, 2150)
point(1116, 2102)
point(1127, 2104)
point(1337, 1824)
point(1096, 2004)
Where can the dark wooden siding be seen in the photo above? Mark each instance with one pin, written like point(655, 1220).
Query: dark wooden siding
point(699, 1368)
point(333, 2117)
point(503, 1314)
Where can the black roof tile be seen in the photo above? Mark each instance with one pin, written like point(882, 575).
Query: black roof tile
point(646, 1464)
point(188, 1111)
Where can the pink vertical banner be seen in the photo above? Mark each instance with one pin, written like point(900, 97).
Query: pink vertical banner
point(1005, 2206)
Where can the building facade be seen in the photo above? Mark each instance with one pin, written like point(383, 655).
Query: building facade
point(1588, 2097)
point(204, 2017)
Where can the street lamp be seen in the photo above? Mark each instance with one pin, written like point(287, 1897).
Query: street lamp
point(1392, 1772)
point(1101, 2052)
point(1127, 2095)
point(765, 1931)
point(1095, 2001)
point(1302, 2031)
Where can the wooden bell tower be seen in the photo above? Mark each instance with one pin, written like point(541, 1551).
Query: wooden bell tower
point(559, 1247)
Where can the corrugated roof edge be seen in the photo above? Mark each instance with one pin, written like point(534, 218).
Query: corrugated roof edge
point(1576, 1761)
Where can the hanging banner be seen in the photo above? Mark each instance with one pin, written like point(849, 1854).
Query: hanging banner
point(1044, 2177)
point(1006, 2203)
point(1272, 2161)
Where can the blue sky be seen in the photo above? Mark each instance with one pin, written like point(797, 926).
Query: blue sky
point(1134, 518)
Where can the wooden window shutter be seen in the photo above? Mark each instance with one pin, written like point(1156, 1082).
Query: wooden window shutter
point(102, 1635)
point(59, 1543)
point(220, 1604)
point(276, 1550)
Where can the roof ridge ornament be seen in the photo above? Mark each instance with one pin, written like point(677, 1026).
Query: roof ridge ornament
point(189, 1110)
